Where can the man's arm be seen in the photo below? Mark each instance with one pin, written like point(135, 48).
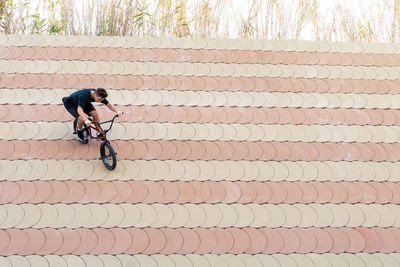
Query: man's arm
point(81, 113)
point(112, 108)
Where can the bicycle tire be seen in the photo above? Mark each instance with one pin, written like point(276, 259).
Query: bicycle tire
point(76, 132)
point(105, 158)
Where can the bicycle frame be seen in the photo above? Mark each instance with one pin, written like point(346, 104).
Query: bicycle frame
point(104, 138)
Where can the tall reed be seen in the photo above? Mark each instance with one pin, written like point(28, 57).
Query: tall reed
point(271, 19)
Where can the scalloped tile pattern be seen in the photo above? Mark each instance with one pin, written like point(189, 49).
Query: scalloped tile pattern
point(230, 153)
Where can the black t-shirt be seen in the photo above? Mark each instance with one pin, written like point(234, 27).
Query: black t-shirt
point(82, 98)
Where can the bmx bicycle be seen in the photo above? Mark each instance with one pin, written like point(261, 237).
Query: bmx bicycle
point(107, 153)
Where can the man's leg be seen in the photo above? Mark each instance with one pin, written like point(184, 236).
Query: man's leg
point(96, 118)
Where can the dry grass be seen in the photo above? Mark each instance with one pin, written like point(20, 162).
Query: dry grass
point(271, 19)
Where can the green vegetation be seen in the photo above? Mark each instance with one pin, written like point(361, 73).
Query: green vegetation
point(271, 19)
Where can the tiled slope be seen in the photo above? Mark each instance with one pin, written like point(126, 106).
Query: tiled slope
point(231, 153)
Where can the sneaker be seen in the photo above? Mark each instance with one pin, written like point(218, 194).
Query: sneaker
point(80, 135)
point(101, 135)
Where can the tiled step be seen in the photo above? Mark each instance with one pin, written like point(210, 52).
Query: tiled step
point(197, 170)
point(208, 132)
point(211, 98)
point(184, 241)
point(198, 43)
point(203, 150)
point(196, 55)
point(206, 260)
point(272, 192)
point(199, 83)
point(220, 215)
point(198, 69)
point(231, 115)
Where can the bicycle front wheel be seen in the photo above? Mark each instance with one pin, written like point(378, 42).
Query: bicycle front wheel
point(108, 155)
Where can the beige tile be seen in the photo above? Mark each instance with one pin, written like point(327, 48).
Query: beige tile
point(165, 216)
point(36, 260)
point(353, 260)
point(237, 171)
point(24, 171)
point(335, 259)
point(216, 260)
point(99, 216)
point(116, 215)
point(222, 170)
point(367, 171)
point(387, 216)
point(230, 215)
point(279, 215)
point(197, 215)
point(39, 169)
point(17, 260)
point(302, 260)
point(66, 214)
point(285, 260)
point(92, 260)
point(356, 216)
point(385, 259)
point(213, 215)
point(246, 215)
point(31, 215)
point(7, 170)
point(163, 260)
point(6, 129)
point(341, 216)
point(73, 260)
point(293, 215)
point(198, 260)
point(162, 170)
point(268, 260)
point(15, 215)
point(148, 215)
point(49, 215)
point(319, 259)
point(371, 215)
point(325, 216)
point(261, 215)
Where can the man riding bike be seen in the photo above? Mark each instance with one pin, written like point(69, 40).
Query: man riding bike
point(80, 106)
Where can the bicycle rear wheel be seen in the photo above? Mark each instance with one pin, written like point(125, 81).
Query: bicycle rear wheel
point(108, 155)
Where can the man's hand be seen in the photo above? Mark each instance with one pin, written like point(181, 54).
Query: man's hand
point(119, 113)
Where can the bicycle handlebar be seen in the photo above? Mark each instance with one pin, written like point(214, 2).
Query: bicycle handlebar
point(112, 122)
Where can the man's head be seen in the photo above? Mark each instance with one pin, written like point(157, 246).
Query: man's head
point(100, 94)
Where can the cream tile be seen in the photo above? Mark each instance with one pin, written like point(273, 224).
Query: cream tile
point(213, 215)
point(341, 215)
point(261, 215)
point(230, 215)
point(353, 260)
point(302, 260)
point(356, 215)
point(325, 215)
point(197, 215)
point(92, 260)
point(31, 215)
point(246, 215)
point(66, 214)
point(49, 215)
point(15, 215)
point(165, 216)
point(285, 260)
point(279, 215)
point(148, 215)
point(222, 170)
point(268, 260)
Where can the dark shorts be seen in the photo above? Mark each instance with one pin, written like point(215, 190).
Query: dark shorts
point(73, 109)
